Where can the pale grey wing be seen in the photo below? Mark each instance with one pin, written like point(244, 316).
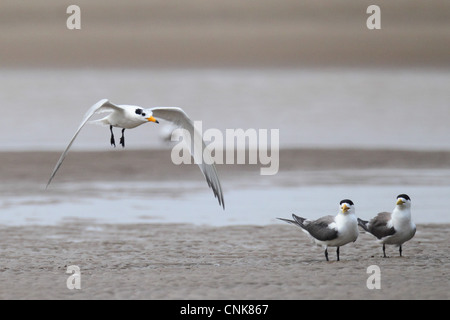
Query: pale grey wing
point(102, 105)
point(320, 229)
point(178, 117)
point(378, 226)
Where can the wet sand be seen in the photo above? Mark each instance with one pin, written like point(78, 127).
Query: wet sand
point(182, 261)
point(118, 164)
point(240, 262)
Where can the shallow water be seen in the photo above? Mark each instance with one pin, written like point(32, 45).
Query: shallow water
point(407, 109)
point(352, 108)
point(257, 203)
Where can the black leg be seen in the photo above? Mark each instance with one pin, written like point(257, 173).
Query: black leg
point(384, 251)
point(122, 139)
point(337, 253)
point(400, 250)
point(326, 254)
point(113, 141)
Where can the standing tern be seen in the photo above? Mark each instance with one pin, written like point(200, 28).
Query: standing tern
point(128, 117)
point(392, 228)
point(331, 231)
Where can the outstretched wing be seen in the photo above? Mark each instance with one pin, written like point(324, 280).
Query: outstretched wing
point(101, 106)
point(178, 117)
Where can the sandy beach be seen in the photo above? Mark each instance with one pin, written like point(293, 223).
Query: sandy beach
point(170, 261)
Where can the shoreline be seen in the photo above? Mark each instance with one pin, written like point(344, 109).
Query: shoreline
point(168, 261)
point(139, 227)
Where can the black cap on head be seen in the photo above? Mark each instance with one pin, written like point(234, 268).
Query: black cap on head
point(404, 196)
point(350, 202)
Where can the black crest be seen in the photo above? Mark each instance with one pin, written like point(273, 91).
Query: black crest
point(404, 196)
point(350, 202)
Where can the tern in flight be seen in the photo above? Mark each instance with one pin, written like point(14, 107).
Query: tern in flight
point(129, 117)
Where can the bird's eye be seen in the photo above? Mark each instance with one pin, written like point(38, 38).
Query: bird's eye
point(143, 114)
point(138, 111)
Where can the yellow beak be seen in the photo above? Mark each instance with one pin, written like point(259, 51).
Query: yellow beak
point(152, 119)
point(400, 202)
point(345, 208)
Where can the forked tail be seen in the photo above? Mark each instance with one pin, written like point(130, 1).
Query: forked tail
point(363, 224)
point(298, 221)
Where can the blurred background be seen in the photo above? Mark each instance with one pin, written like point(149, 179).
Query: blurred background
point(310, 68)
point(219, 33)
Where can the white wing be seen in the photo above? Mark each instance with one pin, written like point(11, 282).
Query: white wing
point(178, 117)
point(101, 106)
